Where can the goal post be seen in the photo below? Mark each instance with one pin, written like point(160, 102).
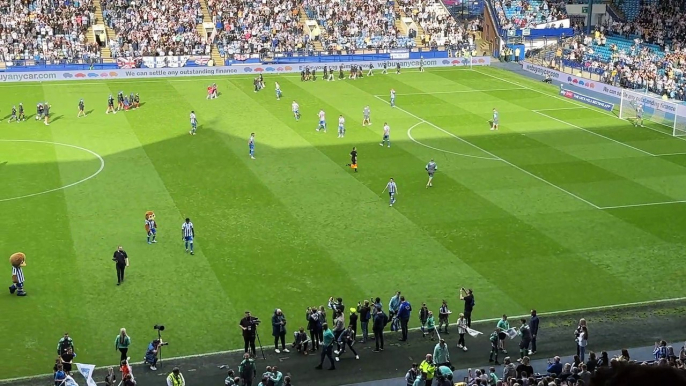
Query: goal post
point(639, 107)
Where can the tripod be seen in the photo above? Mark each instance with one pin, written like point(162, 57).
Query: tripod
point(159, 348)
point(260, 343)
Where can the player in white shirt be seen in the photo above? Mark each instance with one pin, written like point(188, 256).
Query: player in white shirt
point(194, 123)
point(295, 107)
point(322, 121)
point(278, 90)
point(392, 97)
point(386, 135)
point(341, 126)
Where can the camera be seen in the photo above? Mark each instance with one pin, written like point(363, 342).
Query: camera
point(158, 327)
point(255, 321)
point(164, 344)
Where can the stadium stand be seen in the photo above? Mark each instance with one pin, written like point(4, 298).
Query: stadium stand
point(524, 14)
point(46, 32)
point(247, 27)
point(357, 24)
point(643, 53)
point(438, 25)
point(155, 28)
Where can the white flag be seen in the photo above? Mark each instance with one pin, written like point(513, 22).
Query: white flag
point(473, 332)
point(87, 372)
point(512, 332)
point(69, 381)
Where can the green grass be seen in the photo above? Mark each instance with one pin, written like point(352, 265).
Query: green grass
point(295, 226)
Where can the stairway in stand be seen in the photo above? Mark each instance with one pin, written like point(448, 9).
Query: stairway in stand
point(403, 28)
point(207, 18)
point(100, 19)
point(318, 47)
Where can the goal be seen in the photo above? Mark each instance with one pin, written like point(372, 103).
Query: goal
point(665, 113)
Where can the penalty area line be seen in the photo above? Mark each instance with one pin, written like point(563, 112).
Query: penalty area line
point(496, 157)
point(548, 313)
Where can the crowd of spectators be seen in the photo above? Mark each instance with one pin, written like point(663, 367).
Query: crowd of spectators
point(258, 27)
point(46, 31)
point(439, 26)
point(155, 27)
point(513, 14)
point(630, 63)
point(357, 24)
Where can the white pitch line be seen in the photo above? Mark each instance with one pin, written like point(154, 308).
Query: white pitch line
point(666, 154)
point(645, 204)
point(496, 157)
point(102, 166)
point(457, 91)
point(577, 104)
point(409, 134)
point(594, 133)
point(560, 108)
point(550, 313)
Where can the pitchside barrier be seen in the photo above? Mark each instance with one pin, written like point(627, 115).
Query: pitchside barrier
point(134, 73)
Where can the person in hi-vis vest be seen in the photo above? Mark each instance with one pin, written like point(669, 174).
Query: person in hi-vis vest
point(175, 378)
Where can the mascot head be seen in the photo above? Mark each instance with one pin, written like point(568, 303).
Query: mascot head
point(149, 215)
point(18, 260)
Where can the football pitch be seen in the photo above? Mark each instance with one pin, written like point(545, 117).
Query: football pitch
point(564, 207)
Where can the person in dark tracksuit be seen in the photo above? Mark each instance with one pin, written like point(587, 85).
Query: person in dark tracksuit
point(122, 261)
point(533, 326)
point(380, 320)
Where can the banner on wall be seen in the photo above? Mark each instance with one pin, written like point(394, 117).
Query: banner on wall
point(135, 73)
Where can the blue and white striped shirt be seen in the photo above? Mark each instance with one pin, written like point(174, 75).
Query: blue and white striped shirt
point(187, 228)
point(19, 273)
point(392, 188)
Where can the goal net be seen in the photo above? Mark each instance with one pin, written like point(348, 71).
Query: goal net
point(640, 107)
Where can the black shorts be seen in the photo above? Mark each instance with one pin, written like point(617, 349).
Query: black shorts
point(524, 344)
point(502, 336)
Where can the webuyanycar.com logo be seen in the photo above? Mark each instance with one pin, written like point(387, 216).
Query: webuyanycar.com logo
point(27, 76)
point(542, 71)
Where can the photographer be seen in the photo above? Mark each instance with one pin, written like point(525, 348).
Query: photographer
point(336, 305)
point(468, 296)
point(249, 326)
point(153, 350)
point(314, 325)
point(279, 331)
point(365, 315)
point(301, 341)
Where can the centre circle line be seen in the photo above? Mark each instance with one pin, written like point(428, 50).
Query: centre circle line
point(102, 166)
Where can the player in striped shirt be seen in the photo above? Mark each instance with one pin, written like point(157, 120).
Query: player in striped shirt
point(341, 126)
point(251, 145)
point(494, 122)
point(421, 64)
point(392, 97)
point(366, 113)
point(386, 135)
point(278, 90)
point(322, 121)
point(431, 168)
point(295, 107)
point(392, 190)
point(194, 123)
point(188, 233)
